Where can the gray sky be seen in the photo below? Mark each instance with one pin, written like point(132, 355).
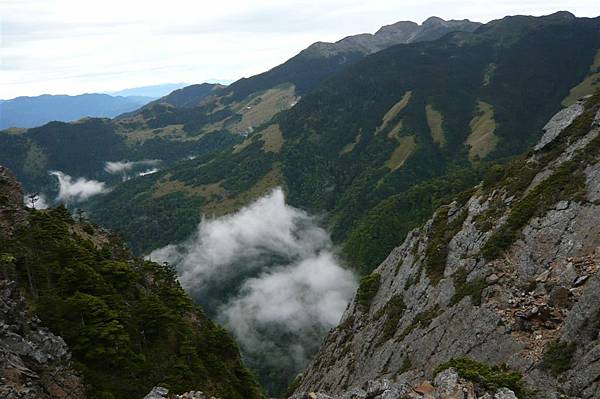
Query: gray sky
point(77, 46)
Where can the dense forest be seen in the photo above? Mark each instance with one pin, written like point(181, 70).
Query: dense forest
point(127, 321)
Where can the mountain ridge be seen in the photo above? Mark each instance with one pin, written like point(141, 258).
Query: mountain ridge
point(364, 142)
point(400, 32)
point(28, 112)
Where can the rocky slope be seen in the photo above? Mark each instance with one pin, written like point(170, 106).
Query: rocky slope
point(507, 274)
point(34, 363)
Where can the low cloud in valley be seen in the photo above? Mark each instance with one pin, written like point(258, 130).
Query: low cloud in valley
point(269, 274)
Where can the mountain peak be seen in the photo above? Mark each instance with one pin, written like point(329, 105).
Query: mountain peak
point(433, 20)
point(388, 35)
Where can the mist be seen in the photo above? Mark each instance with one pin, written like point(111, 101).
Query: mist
point(270, 275)
point(72, 190)
point(125, 168)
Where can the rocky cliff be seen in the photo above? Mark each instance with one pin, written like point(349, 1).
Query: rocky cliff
point(503, 281)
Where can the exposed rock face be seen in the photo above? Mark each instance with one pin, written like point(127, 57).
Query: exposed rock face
point(558, 123)
point(12, 210)
point(389, 35)
point(34, 363)
point(447, 385)
point(163, 393)
point(440, 298)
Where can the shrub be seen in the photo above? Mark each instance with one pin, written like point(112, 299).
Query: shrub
point(463, 288)
point(367, 290)
point(394, 310)
point(487, 377)
point(558, 357)
point(421, 320)
point(440, 234)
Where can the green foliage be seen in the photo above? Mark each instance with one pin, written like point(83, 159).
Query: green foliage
point(487, 377)
point(385, 226)
point(147, 225)
point(292, 387)
point(406, 365)
point(369, 285)
point(127, 321)
point(421, 320)
point(371, 208)
point(558, 357)
point(463, 288)
point(394, 310)
point(441, 232)
point(148, 221)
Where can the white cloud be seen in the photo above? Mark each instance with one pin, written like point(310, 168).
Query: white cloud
point(148, 172)
point(119, 167)
point(77, 190)
point(268, 273)
point(124, 168)
point(41, 202)
point(70, 46)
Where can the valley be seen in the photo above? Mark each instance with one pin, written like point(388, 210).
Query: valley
point(404, 214)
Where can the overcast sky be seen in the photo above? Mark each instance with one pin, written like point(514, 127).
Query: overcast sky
point(77, 46)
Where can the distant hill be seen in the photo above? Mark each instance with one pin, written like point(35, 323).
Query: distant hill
point(154, 91)
point(188, 96)
point(29, 112)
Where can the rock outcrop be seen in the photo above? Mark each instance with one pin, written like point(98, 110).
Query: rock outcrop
point(446, 385)
point(34, 363)
point(507, 275)
point(163, 393)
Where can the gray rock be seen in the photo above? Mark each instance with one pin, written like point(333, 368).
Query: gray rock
point(558, 123)
point(504, 393)
point(30, 355)
point(157, 393)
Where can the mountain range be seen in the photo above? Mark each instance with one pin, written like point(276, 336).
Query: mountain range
point(441, 158)
point(380, 140)
point(27, 112)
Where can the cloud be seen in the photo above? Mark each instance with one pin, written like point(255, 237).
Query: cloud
point(41, 201)
point(69, 46)
point(270, 275)
point(77, 190)
point(148, 172)
point(125, 167)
